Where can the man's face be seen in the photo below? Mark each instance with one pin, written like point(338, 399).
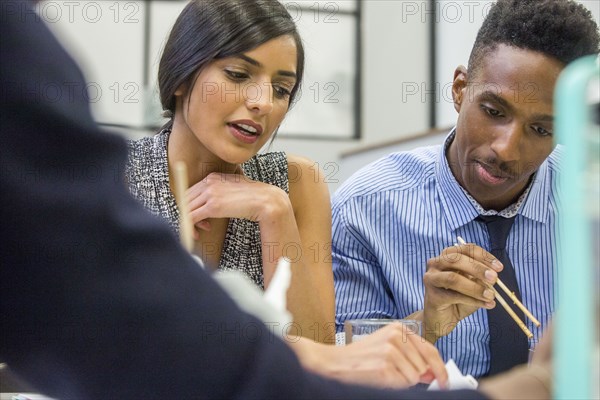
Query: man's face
point(505, 123)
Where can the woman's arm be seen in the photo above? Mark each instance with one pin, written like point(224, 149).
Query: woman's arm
point(297, 226)
point(311, 295)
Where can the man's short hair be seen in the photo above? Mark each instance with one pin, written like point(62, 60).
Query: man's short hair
point(562, 29)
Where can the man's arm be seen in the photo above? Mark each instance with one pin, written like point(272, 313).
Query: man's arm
point(361, 289)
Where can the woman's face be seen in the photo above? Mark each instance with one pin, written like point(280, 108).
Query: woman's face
point(236, 103)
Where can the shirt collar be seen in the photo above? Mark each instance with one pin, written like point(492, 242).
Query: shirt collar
point(460, 208)
point(456, 207)
point(537, 205)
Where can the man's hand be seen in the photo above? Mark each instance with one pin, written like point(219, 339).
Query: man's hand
point(456, 285)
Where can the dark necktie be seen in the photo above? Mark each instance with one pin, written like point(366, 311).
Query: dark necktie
point(508, 344)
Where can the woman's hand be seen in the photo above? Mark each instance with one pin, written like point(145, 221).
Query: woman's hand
point(234, 196)
point(392, 357)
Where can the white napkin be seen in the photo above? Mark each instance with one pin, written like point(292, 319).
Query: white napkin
point(276, 293)
point(456, 380)
point(269, 306)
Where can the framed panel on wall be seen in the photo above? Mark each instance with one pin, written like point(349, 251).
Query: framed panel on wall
point(328, 104)
point(106, 38)
point(118, 44)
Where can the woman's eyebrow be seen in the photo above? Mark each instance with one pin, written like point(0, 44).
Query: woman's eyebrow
point(256, 63)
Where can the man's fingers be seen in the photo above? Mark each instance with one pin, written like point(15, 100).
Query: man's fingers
point(458, 289)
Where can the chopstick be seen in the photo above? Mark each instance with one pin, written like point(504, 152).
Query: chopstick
point(518, 303)
point(185, 222)
point(514, 298)
point(510, 312)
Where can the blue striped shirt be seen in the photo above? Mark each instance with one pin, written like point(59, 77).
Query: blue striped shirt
point(396, 213)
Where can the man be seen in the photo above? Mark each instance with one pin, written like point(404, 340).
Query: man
point(397, 222)
point(97, 299)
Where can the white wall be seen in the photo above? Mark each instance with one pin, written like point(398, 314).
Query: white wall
point(458, 23)
point(103, 37)
point(395, 66)
point(394, 62)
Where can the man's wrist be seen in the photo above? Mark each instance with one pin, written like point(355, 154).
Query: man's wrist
point(428, 334)
point(431, 330)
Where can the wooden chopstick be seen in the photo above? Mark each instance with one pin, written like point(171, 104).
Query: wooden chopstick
point(505, 305)
point(512, 296)
point(510, 312)
point(518, 303)
point(185, 222)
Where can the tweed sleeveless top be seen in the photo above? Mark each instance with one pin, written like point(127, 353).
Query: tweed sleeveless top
point(147, 173)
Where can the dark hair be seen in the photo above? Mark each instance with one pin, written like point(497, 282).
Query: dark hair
point(562, 29)
point(211, 29)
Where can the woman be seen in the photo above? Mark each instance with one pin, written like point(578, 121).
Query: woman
point(229, 73)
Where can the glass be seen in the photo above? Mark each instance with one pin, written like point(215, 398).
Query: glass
point(358, 329)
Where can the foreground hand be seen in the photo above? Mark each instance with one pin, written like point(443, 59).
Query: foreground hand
point(456, 286)
point(233, 196)
point(543, 351)
point(525, 382)
point(392, 357)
